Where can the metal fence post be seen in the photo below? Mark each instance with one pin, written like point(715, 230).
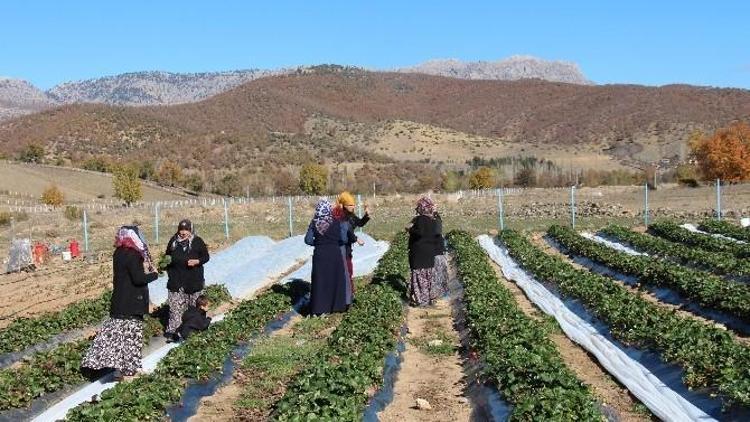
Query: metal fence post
point(718, 199)
point(500, 210)
point(645, 203)
point(573, 205)
point(85, 231)
point(291, 229)
point(156, 224)
point(226, 220)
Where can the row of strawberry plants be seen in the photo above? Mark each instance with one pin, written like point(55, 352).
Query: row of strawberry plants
point(202, 355)
point(716, 262)
point(518, 355)
point(50, 371)
point(672, 231)
point(706, 289)
point(25, 332)
point(725, 228)
point(335, 385)
point(710, 356)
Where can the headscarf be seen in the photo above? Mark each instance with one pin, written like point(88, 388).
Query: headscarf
point(346, 198)
point(426, 207)
point(187, 242)
point(323, 216)
point(130, 237)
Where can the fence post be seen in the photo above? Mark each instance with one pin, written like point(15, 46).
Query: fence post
point(156, 224)
point(12, 229)
point(500, 211)
point(718, 199)
point(226, 219)
point(573, 205)
point(85, 231)
point(291, 229)
point(645, 202)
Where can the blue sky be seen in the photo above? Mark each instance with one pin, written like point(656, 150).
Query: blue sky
point(652, 43)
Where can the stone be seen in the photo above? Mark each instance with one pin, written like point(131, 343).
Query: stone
point(423, 404)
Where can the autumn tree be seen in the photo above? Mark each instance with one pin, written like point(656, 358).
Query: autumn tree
point(169, 174)
point(33, 153)
point(482, 179)
point(126, 184)
point(725, 154)
point(526, 177)
point(53, 196)
point(313, 179)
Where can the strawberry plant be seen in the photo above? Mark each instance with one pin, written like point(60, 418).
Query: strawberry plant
point(706, 289)
point(725, 228)
point(335, 386)
point(519, 357)
point(711, 357)
point(672, 231)
point(716, 262)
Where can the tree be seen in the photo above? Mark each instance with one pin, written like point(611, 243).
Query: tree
point(229, 185)
point(53, 196)
point(725, 154)
point(526, 177)
point(126, 184)
point(451, 181)
point(170, 174)
point(33, 153)
point(482, 179)
point(313, 179)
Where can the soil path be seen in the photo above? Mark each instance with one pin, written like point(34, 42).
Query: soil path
point(432, 369)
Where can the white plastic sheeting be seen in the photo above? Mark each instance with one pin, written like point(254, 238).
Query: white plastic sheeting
point(365, 258)
point(649, 389)
point(245, 266)
point(614, 245)
point(694, 229)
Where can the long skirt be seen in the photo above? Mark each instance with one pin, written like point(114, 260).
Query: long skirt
point(330, 283)
point(422, 289)
point(178, 303)
point(117, 345)
point(441, 274)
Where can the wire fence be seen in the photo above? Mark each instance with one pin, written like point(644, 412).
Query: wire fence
point(220, 221)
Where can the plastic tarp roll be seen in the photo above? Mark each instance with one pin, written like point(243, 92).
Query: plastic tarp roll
point(245, 266)
point(364, 259)
point(642, 383)
point(612, 244)
point(694, 229)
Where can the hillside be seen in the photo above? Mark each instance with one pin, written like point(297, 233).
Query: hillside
point(271, 122)
point(77, 186)
point(19, 97)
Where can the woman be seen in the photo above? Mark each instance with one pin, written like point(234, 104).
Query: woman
point(118, 343)
point(347, 204)
point(329, 276)
point(423, 290)
point(189, 253)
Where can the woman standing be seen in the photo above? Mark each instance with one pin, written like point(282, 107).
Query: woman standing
point(189, 253)
point(329, 276)
point(118, 343)
point(352, 221)
point(423, 290)
point(441, 262)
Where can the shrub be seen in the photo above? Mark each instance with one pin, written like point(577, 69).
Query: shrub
point(53, 196)
point(73, 213)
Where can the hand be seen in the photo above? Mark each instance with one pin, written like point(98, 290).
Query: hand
point(367, 209)
point(193, 262)
point(360, 242)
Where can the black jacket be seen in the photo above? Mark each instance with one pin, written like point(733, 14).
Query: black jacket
point(194, 319)
point(130, 285)
point(190, 279)
point(354, 222)
point(422, 239)
point(439, 239)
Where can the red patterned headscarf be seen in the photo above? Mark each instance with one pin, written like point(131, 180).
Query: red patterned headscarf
point(130, 237)
point(426, 207)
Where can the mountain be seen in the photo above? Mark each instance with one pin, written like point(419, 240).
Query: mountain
point(340, 114)
point(510, 69)
point(155, 88)
point(19, 97)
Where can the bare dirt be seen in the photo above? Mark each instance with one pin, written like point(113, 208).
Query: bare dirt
point(439, 379)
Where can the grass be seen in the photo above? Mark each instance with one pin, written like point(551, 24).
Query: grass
point(434, 330)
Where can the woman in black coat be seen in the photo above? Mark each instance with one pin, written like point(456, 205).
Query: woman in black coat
point(118, 343)
point(423, 235)
point(328, 292)
point(188, 254)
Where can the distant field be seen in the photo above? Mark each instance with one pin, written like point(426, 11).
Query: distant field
point(76, 185)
